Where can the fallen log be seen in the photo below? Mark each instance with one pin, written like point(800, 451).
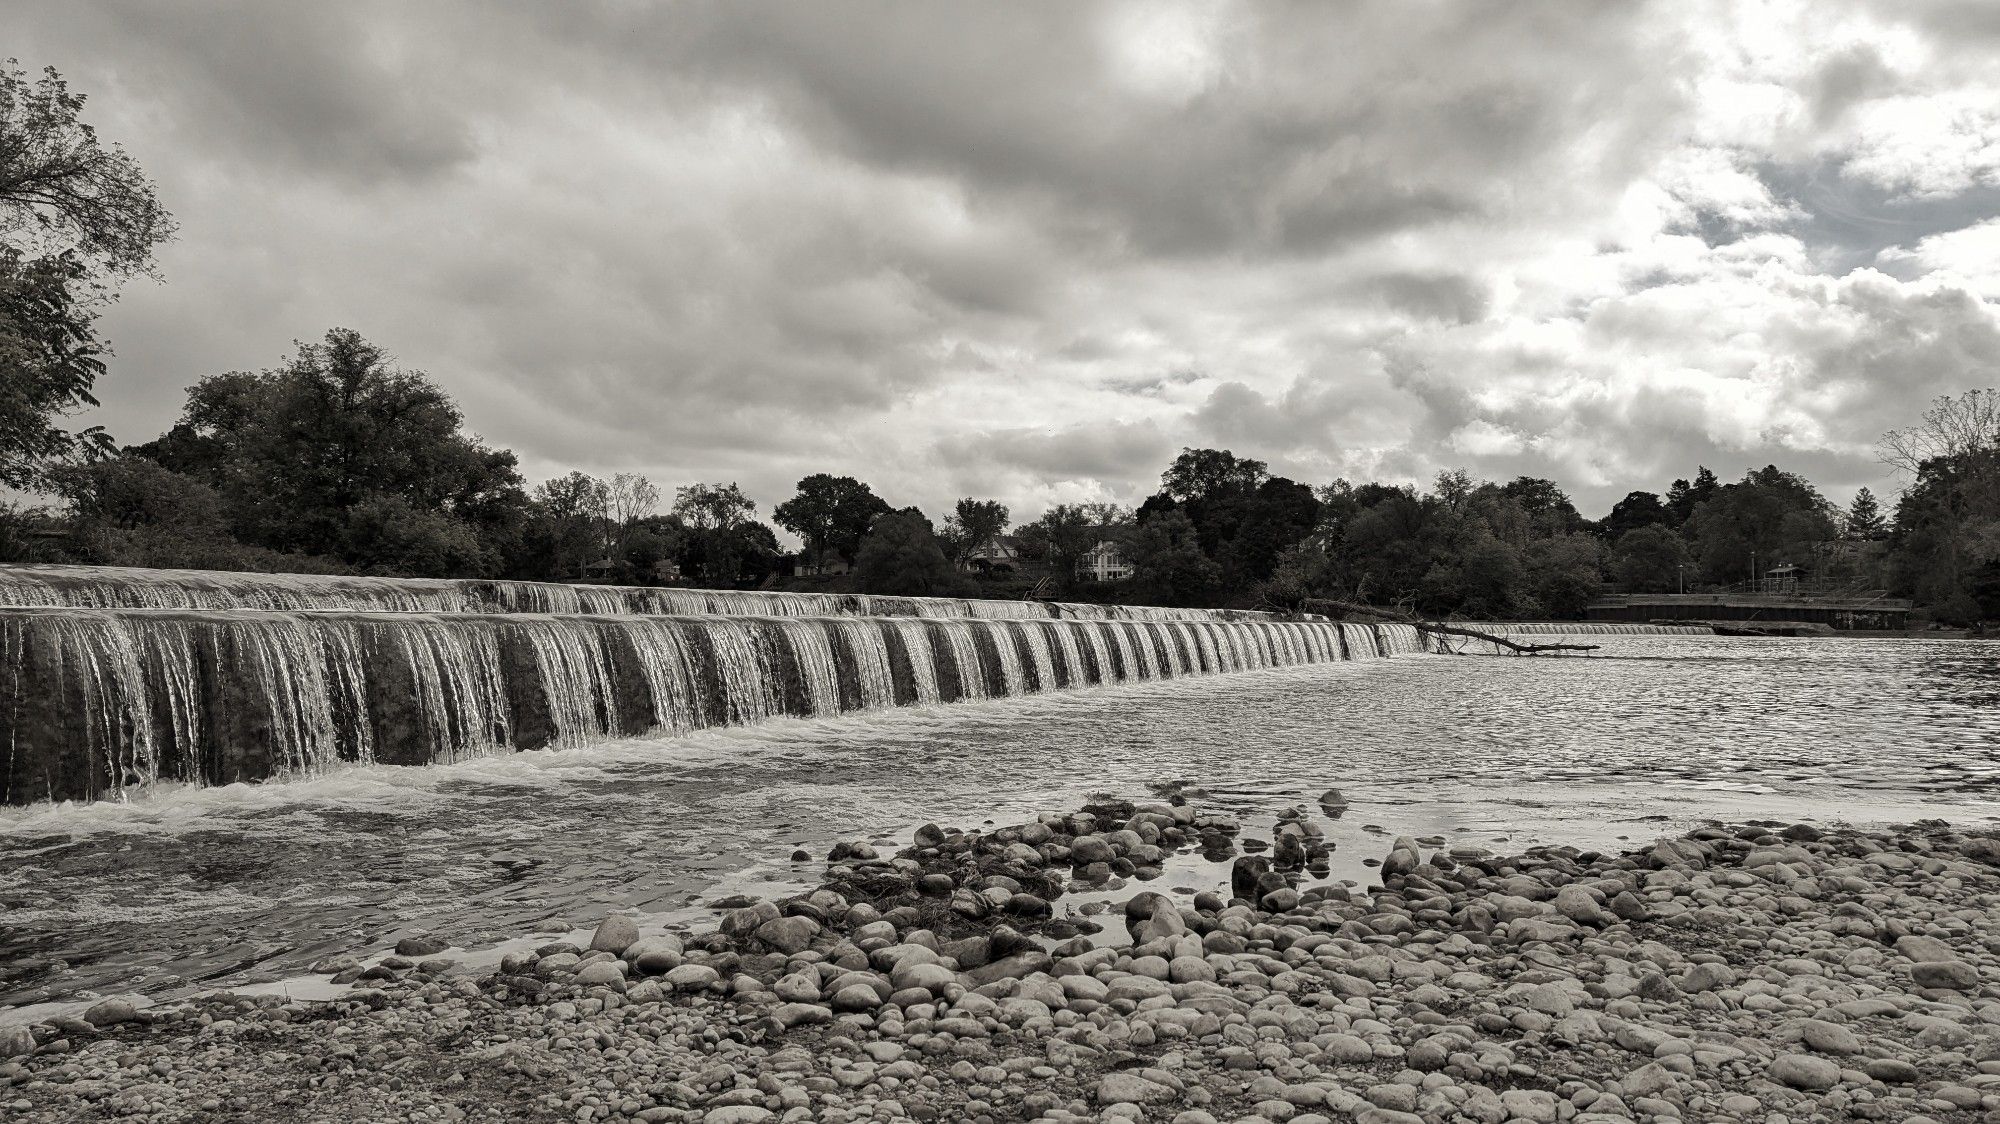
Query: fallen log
point(1349, 608)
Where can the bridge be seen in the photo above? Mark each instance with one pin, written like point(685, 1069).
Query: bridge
point(1866, 609)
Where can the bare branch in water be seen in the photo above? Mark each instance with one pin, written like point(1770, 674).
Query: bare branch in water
point(1350, 608)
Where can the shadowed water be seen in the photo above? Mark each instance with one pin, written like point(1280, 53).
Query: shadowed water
point(235, 884)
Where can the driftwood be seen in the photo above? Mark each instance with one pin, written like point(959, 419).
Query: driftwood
point(1346, 608)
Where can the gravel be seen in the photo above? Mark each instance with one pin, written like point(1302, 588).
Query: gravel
point(1737, 973)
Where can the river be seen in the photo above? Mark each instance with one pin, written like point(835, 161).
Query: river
point(189, 888)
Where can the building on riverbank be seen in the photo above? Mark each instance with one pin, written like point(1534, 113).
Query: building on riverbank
point(1104, 562)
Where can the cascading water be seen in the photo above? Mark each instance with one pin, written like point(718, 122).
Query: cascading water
point(98, 701)
point(1591, 628)
point(969, 668)
point(739, 670)
point(868, 657)
point(105, 587)
point(456, 676)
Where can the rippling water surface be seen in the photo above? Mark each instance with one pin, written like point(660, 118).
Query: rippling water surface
point(198, 888)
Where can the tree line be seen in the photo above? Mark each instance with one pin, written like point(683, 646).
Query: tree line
point(341, 461)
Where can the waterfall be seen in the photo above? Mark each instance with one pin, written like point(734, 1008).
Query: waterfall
point(104, 689)
point(920, 658)
point(1096, 654)
point(109, 587)
point(669, 665)
point(1590, 628)
point(1007, 652)
point(1063, 638)
point(574, 677)
point(1180, 643)
point(741, 670)
point(134, 689)
point(869, 655)
point(456, 676)
point(819, 673)
point(1041, 661)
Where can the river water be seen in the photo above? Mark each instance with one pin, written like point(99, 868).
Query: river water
point(199, 888)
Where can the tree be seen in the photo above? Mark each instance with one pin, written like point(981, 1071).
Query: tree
point(1385, 548)
point(723, 544)
point(62, 190)
point(131, 511)
point(296, 452)
point(1651, 559)
point(1267, 522)
point(129, 492)
point(1546, 504)
point(565, 529)
point(387, 534)
point(1950, 428)
point(647, 545)
point(751, 552)
point(1305, 571)
point(1953, 433)
point(971, 525)
point(1168, 567)
point(32, 534)
point(1244, 518)
point(1768, 517)
point(1945, 545)
point(630, 498)
point(830, 514)
point(1199, 474)
point(901, 556)
point(1636, 510)
point(712, 507)
point(1453, 488)
point(1105, 516)
point(744, 551)
point(50, 357)
point(1484, 580)
point(72, 213)
point(1062, 536)
point(1864, 517)
point(578, 496)
point(1683, 498)
point(1563, 574)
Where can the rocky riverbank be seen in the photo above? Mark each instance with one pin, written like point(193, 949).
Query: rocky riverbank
point(1746, 973)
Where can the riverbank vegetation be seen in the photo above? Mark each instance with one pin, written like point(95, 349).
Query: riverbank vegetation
point(343, 461)
point(287, 470)
point(340, 461)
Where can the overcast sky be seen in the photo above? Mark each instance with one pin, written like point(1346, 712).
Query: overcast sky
point(1029, 251)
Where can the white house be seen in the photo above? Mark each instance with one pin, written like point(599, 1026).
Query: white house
point(1103, 563)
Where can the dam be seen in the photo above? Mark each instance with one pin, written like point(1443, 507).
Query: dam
point(119, 680)
point(185, 887)
point(112, 587)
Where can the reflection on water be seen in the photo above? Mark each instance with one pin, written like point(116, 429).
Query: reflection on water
point(236, 884)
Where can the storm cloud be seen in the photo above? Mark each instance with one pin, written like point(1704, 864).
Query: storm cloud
point(1028, 251)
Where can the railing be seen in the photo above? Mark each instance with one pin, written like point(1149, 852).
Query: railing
point(1795, 587)
point(1844, 601)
